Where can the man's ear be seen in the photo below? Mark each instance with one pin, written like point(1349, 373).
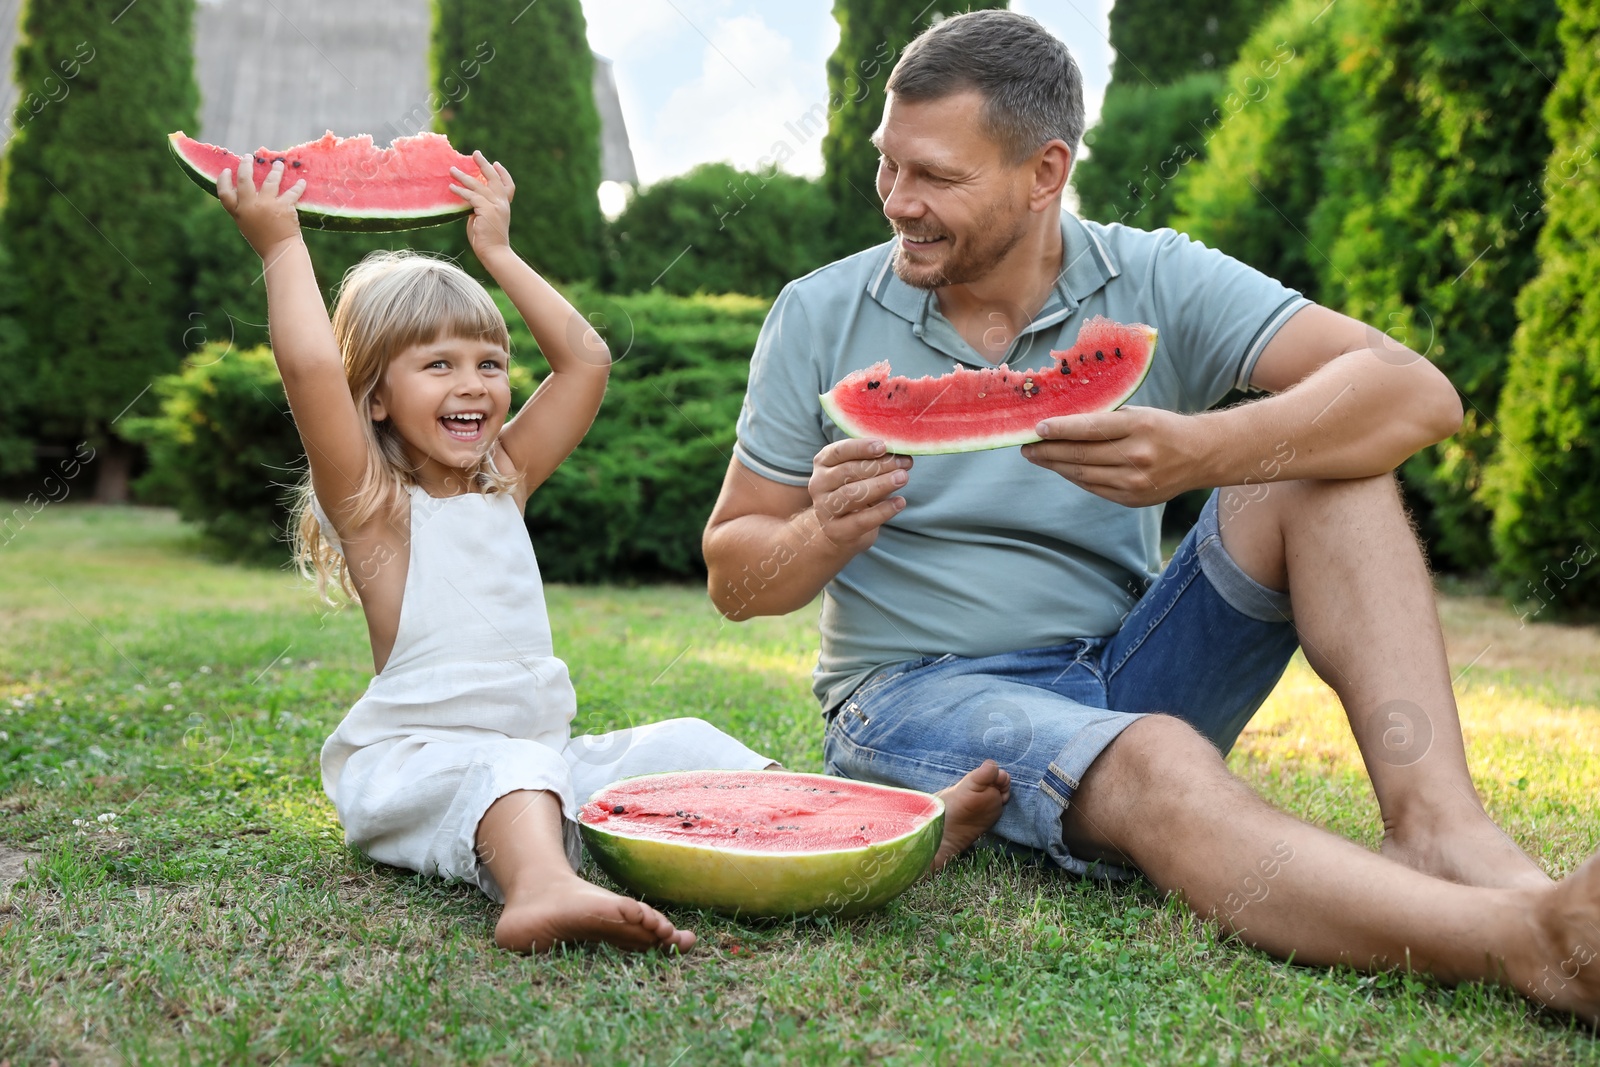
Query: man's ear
point(1051, 165)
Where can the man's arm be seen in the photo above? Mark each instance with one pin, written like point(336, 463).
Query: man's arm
point(770, 547)
point(1349, 402)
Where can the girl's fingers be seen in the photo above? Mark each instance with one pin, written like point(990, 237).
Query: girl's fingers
point(296, 191)
point(226, 191)
point(274, 178)
point(466, 179)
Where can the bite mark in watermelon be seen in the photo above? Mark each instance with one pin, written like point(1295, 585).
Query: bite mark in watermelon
point(971, 410)
point(351, 184)
point(762, 843)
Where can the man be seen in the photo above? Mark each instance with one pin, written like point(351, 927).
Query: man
point(1012, 607)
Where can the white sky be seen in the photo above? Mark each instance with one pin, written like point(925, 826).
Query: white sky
point(723, 80)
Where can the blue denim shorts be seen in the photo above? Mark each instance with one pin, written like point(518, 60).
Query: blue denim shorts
point(1206, 643)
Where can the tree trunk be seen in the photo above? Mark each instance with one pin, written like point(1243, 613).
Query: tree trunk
point(113, 463)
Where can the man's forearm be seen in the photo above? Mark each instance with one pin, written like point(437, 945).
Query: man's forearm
point(1361, 414)
point(762, 565)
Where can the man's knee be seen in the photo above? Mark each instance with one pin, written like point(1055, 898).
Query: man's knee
point(1155, 759)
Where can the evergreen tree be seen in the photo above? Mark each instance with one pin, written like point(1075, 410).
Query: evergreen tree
point(1145, 138)
point(1156, 42)
point(1165, 101)
point(1253, 195)
point(89, 229)
point(1542, 485)
point(872, 34)
point(521, 90)
point(1427, 225)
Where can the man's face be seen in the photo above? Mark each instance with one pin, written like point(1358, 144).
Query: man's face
point(956, 205)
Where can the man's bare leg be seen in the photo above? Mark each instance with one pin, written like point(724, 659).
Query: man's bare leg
point(1367, 620)
point(519, 840)
point(1159, 797)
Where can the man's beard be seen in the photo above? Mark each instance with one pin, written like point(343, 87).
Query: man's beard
point(971, 258)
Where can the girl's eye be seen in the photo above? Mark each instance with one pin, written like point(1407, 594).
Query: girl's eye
point(438, 363)
point(491, 364)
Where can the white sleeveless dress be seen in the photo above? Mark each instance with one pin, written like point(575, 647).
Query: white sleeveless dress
point(473, 703)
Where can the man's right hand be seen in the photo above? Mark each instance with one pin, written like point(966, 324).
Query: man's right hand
point(851, 488)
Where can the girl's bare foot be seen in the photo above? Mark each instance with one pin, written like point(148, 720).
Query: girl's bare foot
point(568, 909)
point(1565, 974)
point(971, 806)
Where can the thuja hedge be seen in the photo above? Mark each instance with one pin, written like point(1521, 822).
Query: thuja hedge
point(629, 504)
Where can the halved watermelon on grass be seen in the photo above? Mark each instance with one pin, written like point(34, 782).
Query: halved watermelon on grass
point(351, 184)
point(762, 843)
point(970, 410)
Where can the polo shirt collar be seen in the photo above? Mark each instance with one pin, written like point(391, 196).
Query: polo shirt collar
point(1086, 266)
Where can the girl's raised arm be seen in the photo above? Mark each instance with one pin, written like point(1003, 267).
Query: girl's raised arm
point(559, 413)
point(302, 337)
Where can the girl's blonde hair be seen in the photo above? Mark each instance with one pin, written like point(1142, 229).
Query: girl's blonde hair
point(387, 303)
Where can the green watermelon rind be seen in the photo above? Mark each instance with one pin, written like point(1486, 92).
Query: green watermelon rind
point(980, 443)
point(321, 218)
point(766, 884)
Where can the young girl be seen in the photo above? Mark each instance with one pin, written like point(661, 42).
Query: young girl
point(458, 760)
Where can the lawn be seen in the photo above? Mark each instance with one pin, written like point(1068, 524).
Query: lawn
point(191, 900)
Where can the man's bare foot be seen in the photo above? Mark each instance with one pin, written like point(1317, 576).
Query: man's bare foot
point(568, 909)
point(1468, 850)
point(971, 806)
point(1565, 972)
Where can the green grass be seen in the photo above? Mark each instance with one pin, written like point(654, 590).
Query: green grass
point(220, 919)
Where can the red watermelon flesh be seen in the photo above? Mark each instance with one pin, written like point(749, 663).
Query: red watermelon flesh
point(758, 810)
point(969, 410)
point(762, 842)
point(351, 184)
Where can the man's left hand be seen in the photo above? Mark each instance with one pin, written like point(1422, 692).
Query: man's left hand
point(1133, 456)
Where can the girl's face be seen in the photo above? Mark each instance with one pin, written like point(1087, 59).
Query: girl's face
point(447, 400)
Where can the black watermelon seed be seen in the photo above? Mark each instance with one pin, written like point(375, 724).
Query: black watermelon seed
point(1064, 369)
point(1117, 352)
point(296, 163)
point(1080, 357)
point(688, 825)
point(260, 160)
point(873, 385)
point(1101, 356)
point(619, 810)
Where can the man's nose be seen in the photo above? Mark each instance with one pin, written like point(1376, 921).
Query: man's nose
point(902, 201)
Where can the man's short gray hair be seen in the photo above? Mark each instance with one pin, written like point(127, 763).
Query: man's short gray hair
point(1032, 89)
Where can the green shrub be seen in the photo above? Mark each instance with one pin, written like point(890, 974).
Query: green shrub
point(1253, 194)
point(632, 501)
point(1159, 41)
point(719, 230)
point(223, 450)
point(1542, 485)
point(1423, 229)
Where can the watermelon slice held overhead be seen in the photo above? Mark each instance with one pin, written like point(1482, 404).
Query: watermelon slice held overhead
point(762, 843)
point(969, 410)
point(350, 183)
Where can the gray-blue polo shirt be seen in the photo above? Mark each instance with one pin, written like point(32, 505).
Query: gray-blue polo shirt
point(991, 553)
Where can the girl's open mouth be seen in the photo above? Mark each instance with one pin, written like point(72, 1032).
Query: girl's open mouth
point(466, 426)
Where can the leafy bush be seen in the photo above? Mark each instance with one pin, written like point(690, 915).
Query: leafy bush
point(1542, 485)
point(1428, 220)
point(719, 230)
point(223, 450)
point(630, 503)
point(1253, 194)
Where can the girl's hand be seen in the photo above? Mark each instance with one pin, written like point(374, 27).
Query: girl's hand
point(489, 227)
point(265, 217)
